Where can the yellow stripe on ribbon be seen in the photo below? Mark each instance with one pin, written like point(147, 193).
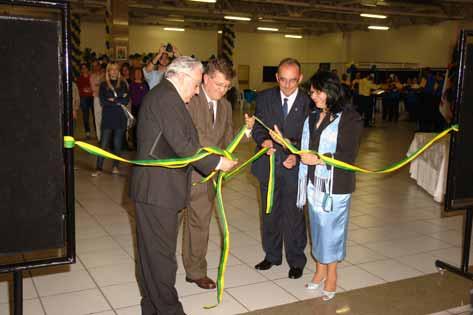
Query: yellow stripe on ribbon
point(353, 168)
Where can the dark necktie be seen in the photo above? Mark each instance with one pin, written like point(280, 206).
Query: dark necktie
point(285, 108)
point(212, 113)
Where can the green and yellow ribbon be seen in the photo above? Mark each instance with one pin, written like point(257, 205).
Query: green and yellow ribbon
point(353, 168)
point(70, 142)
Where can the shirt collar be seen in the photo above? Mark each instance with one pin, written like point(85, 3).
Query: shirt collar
point(207, 97)
point(291, 98)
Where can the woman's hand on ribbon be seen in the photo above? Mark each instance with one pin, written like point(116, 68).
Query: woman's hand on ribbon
point(310, 159)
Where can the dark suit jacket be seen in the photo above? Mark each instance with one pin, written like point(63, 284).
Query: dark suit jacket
point(163, 115)
point(269, 110)
point(348, 142)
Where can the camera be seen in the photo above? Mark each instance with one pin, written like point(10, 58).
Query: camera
point(169, 48)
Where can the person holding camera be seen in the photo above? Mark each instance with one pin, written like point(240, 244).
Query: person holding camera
point(162, 59)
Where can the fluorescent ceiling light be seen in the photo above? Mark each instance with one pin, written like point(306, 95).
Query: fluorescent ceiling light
point(237, 18)
point(293, 36)
point(174, 20)
point(270, 29)
point(175, 29)
point(207, 1)
point(376, 27)
point(374, 16)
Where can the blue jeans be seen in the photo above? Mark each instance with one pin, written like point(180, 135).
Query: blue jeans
point(105, 140)
point(87, 105)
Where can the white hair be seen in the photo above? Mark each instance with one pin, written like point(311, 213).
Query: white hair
point(183, 64)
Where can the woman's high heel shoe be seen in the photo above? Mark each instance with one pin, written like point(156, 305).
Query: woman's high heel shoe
point(328, 295)
point(314, 286)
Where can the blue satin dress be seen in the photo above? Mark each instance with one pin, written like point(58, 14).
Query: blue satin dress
point(328, 229)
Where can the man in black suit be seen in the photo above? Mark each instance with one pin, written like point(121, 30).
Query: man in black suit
point(165, 130)
point(287, 107)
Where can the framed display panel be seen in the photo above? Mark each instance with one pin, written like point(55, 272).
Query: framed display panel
point(37, 191)
point(459, 192)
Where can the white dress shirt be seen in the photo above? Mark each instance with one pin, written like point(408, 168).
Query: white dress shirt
point(290, 99)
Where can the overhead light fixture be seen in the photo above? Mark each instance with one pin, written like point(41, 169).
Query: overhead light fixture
point(293, 36)
point(269, 29)
point(219, 32)
point(237, 18)
point(174, 29)
point(206, 1)
point(373, 16)
point(174, 20)
point(377, 27)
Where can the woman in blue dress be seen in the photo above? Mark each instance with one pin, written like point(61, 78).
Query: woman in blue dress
point(333, 129)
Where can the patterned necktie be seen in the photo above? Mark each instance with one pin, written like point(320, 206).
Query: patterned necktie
point(285, 108)
point(211, 111)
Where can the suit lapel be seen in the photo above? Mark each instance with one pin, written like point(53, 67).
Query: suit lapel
point(205, 108)
point(277, 107)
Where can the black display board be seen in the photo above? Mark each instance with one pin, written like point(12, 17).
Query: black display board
point(459, 193)
point(37, 191)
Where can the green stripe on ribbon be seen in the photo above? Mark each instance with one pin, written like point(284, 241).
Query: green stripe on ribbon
point(353, 168)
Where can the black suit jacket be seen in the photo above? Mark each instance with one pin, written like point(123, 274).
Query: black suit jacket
point(269, 110)
point(348, 142)
point(165, 130)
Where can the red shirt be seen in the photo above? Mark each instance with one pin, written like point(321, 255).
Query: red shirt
point(85, 88)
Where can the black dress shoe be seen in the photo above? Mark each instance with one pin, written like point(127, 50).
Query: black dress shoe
point(295, 273)
point(265, 265)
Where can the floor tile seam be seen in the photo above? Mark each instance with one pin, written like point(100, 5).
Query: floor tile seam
point(389, 281)
point(422, 236)
point(98, 287)
point(119, 284)
point(415, 268)
point(111, 236)
point(372, 274)
point(284, 289)
point(11, 299)
point(238, 301)
point(37, 293)
point(387, 240)
point(368, 261)
point(415, 253)
point(247, 284)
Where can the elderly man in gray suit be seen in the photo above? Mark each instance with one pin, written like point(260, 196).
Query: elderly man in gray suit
point(212, 116)
point(165, 130)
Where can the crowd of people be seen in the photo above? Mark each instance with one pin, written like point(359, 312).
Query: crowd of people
point(101, 90)
point(180, 106)
point(421, 98)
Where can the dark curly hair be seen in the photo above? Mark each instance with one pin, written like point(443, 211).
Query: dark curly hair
point(330, 84)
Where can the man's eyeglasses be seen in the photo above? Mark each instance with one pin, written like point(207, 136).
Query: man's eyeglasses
point(290, 81)
point(222, 85)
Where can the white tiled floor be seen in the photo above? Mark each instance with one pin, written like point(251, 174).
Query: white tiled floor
point(395, 233)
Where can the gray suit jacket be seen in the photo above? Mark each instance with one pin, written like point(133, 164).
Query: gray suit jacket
point(165, 130)
point(219, 134)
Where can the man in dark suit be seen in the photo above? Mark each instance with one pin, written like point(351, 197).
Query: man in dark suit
point(212, 117)
point(165, 130)
point(287, 107)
